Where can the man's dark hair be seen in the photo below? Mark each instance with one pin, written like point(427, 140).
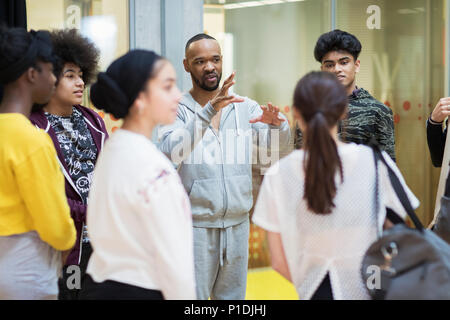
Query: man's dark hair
point(197, 37)
point(337, 40)
point(14, 46)
point(71, 47)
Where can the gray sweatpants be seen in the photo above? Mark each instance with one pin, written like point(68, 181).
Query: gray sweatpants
point(221, 261)
point(29, 268)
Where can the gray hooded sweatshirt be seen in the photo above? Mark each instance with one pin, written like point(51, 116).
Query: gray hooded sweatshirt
point(216, 166)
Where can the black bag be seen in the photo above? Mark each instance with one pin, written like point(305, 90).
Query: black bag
point(406, 263)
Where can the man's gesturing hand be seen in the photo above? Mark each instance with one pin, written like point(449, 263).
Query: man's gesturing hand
point(269, 115)
point(222, 99)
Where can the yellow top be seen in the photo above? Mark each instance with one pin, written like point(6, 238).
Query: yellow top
point(32, 195)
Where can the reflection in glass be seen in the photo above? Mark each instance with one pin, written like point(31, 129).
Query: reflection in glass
point(402, 65)
point(270, 46)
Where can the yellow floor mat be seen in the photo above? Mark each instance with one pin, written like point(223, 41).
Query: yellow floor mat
point(267, 284)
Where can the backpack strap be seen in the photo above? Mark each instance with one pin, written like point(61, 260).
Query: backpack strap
point(397, 185)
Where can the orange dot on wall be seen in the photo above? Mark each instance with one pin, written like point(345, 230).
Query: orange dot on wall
point(286, 109)
point(420, 105)
point(420, 118)
point(387, 104)
point(101, 114)
point(114, 129)
point(396, 118)
point(406, 105)
point(112, 117)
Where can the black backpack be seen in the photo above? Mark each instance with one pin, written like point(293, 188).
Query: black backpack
point(406, 263)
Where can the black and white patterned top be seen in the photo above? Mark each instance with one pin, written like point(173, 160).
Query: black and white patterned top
point(79, 150)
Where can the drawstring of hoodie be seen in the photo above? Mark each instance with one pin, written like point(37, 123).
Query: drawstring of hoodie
point(225, 236)
point(236, 118)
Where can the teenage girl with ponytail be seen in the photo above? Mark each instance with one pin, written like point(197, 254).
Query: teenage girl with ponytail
point(139, 217)
point(318, 203)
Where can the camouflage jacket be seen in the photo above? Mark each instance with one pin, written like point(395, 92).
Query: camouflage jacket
point(367, 118)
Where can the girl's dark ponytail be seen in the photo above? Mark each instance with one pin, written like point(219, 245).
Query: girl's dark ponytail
point(321, 163)
point(321, 100)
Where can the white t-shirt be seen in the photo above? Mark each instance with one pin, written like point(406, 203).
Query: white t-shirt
point(315, 244)
point(139, 219)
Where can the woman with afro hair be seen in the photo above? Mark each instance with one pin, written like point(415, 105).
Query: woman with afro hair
point(78, 134)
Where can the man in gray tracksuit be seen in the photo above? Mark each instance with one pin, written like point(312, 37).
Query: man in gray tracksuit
point(211, 143)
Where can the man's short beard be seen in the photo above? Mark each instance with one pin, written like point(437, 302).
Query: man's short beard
point(204, 87)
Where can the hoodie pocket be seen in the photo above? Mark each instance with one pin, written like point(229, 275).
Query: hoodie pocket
point(239, 192)
point(206, 197)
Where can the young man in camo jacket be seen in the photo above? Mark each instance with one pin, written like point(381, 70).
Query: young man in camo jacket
point(338, 52)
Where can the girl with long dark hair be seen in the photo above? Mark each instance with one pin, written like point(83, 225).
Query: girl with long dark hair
point(318, 203)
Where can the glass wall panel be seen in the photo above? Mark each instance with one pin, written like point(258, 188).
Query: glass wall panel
point(403, 65)
point(269, 45)
point(105, 22)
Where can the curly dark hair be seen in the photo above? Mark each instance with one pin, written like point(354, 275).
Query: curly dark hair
point(337, 40)
point(71, 47)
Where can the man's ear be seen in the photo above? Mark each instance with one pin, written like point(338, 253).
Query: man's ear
point(186, 66)
point(357, 66)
